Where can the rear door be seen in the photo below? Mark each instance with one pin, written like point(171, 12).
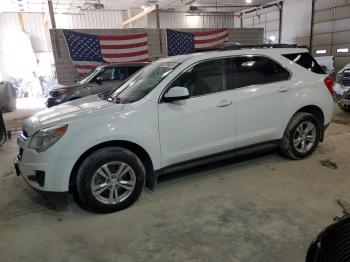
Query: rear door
point(262, 91)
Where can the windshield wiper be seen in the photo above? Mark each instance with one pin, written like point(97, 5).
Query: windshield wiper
point(110, 99)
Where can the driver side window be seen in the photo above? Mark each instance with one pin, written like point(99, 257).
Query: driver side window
point(203, 78)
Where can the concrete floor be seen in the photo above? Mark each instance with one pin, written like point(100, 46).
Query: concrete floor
point(263, 208)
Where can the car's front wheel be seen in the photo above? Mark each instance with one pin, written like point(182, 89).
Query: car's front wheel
point(301, 136)
point(110, 179)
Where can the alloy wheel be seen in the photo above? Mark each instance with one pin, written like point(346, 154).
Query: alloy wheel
point(304, 137)
point(113, 182)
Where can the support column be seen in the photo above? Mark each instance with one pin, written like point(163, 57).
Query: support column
point(159, 30)
point(53, 26)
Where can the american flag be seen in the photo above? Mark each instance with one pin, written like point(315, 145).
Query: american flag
point(89, 51)
point(185, 43)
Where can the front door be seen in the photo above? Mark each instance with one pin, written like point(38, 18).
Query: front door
point(202, 125)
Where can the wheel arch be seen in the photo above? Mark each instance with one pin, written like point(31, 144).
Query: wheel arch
point(314, 110)
point(133, 147)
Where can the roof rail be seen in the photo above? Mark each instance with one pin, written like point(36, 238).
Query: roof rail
point(237, 46)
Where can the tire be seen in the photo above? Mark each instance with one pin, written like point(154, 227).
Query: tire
point(292, 145)
point(7, 97)
point(345, 108)
point(93, 173)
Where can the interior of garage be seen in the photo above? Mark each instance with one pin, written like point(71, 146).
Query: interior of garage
point(256, 207)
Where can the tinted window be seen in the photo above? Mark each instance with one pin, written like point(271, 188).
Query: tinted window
point(204, 78)
point(307, 61)
point(132, 70)
point(254, 70)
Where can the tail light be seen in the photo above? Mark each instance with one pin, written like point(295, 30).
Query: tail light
point(328, 81)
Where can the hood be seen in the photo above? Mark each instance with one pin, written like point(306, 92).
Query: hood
point(60, 87)
point(67, 112)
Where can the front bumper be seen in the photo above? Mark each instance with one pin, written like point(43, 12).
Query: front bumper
point(341, 94)
point(43, 171)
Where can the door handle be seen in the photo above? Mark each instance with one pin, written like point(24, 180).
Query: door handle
point(283, 89)
point(224, 103)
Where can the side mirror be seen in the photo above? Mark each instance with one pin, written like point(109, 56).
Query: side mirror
point(99, 80)
point(176, 93)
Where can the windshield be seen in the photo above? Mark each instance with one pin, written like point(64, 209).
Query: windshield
point(141, 83)
point(89, 76)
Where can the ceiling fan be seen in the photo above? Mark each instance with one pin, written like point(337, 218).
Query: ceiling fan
point(94, 5)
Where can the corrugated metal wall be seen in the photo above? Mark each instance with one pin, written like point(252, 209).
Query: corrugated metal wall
point(34, 26)
point(90, 20)
point(183, 20)
point(331, 30)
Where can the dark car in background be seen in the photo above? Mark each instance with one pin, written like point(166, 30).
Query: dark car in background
point(101, 79)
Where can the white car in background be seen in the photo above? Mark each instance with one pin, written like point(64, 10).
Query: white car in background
point(326, 62)
point(342, 88)
point(175, 113)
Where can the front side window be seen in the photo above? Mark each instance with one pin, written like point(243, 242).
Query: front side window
point(254, 70)
point(204, 78)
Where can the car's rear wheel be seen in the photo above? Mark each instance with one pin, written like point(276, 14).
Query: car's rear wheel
point(302, 136)
point(110, 179)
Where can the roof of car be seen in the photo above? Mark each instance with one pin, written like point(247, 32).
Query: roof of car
point(126, 64)
point(247, 51)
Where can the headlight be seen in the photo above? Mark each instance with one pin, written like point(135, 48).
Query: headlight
point(56, 92)
point(45, 138)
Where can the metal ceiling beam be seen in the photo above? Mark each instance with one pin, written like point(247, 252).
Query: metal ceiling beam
point(139, 15)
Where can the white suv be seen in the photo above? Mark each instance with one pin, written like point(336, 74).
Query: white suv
point(176, 113)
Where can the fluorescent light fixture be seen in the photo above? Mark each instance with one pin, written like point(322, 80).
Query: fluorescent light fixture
point(321, 51)
point(342, 50)
point(248, 1)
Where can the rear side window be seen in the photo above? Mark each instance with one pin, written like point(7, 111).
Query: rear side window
point(307, 61)
point(254, 70)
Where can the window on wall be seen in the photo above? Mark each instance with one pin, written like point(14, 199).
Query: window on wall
point(254, 70)
point(321, 51)
point(342, 50)
point(204, 78)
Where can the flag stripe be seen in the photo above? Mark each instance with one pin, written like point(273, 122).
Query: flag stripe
point(211, 36)
point(123, 42)
point(211, 44)
point(210, 40)
point(141, 58)
point(124, 51)
point(114, 55)
point(210, 32)
point(109, 46)
point(122, 37)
